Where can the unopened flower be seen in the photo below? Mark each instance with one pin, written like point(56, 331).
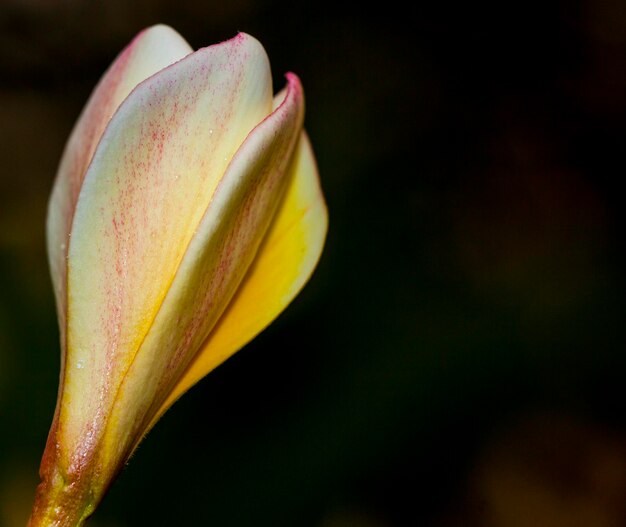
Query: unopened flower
point(185, 216)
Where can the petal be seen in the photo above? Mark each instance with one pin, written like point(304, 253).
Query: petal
point(150, 51)
point(214, 266)
point(159, 165)
point(284, 263)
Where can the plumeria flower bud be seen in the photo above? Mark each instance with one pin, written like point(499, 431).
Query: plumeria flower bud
point(185, 216)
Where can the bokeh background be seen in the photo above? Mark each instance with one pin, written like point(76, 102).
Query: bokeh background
point(458, 357)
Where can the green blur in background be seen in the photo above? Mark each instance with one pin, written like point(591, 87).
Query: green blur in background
point(457, 358)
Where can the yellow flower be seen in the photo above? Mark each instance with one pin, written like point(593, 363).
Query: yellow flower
point(185, 216)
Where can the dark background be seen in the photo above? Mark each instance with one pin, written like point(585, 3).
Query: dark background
point(458, 357)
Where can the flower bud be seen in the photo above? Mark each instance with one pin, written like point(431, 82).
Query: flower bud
point(185, 216)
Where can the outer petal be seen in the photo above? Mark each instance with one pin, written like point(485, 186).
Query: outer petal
point(284, 263)
point(152, 50)
point(152, 178)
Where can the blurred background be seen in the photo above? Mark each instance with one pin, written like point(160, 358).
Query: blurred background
point(458, 357)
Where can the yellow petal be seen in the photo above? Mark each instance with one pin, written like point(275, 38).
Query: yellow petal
point(151, 180)
point(283, 265)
